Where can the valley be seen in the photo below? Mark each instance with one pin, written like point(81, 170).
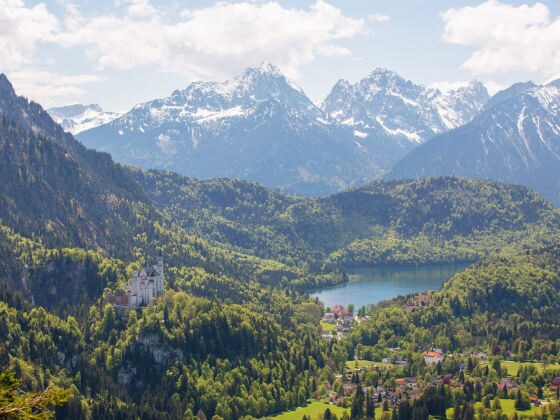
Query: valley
point(239, 320)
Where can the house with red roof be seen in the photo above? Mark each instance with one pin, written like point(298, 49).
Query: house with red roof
point(431, 357)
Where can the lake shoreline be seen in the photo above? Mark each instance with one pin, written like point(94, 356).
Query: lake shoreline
point(373, 284)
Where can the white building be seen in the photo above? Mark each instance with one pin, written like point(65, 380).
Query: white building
point(145, 285)
point(432, 357)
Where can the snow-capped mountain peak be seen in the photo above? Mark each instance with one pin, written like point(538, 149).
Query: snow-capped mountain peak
point(204, 103)
point(514, 139)
point(77, 118)
point(258, 126)
point(385, 103)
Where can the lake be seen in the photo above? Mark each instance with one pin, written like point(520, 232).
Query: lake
point(374, 284)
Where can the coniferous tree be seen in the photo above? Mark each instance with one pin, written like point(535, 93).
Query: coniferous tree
point(370, 406)
point(357, 403)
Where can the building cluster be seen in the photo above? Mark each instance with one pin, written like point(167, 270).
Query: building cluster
point(342, 318)
point(421, 301)
point(143, 287)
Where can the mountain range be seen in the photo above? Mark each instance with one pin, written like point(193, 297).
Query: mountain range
point(261, 127)
point(515, 139)
point(232, 336)
point(385, 104)
point(77, 118)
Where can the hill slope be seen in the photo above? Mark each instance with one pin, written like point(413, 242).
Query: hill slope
point(501, 304)
point(54, 188)
point(361, 225)
point(516, 141)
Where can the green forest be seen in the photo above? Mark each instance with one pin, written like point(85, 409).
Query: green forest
point(236, 334)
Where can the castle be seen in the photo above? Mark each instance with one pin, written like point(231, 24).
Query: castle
point(142, 288)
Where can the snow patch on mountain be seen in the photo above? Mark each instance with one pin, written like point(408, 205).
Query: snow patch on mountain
point(385, 102)
point(77, 118)
point(514, 139)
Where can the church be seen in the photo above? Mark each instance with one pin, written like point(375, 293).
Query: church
point(142, 288)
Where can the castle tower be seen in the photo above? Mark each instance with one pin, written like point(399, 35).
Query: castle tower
point(159, 276)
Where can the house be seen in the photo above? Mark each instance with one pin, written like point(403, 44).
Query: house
point(346, 323)
point(386, 360)
point(329, 318)
point(534, 401)
point(425, 299)
point(412, 381)
point(507, 382)
point(479, 354)
point(334, 397)
point(431, 357)
point(119, 298)
point(349, 389)
point(339, 311)
point(401, 382)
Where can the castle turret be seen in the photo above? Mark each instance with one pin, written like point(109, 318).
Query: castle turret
point(159, 276)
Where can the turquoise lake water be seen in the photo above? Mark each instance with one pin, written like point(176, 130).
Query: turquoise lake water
point(372, 285)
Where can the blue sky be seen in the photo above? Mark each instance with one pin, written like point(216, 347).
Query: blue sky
point(121, 53)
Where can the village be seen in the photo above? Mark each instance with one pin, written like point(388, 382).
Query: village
point(339, 320)
point(385, 380)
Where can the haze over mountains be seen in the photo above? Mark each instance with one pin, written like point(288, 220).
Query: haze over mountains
point(77, 118)
point(260, 126)
point(516, 139)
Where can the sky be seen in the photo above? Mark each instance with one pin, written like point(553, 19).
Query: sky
point(119, 53)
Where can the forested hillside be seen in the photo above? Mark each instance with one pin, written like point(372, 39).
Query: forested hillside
point(487, 325)
point(511, 302)
point(429, 220)
point(233, 335)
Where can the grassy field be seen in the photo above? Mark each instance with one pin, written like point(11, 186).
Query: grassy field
point(513, 367)
point(313, 410)
point(325, 326)
point(508, 407)
point(351, 364)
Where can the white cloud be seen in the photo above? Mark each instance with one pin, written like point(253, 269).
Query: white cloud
point(212, 41)
point(140, 8)
point(47, 87)
point(378, 17)
point(494, 87)
point(21, 28)
point(505, 37)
